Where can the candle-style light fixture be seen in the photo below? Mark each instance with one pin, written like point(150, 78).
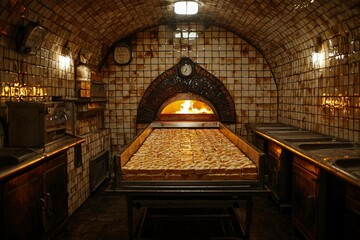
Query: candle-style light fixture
point(186, 7)
point(65, 56)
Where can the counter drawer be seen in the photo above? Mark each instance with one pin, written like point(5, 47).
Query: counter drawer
point(307, 165)
point(274, 149)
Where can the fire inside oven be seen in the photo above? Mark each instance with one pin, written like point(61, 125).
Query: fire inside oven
point(188, 109)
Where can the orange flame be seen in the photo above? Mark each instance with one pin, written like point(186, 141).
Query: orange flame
point(187, 107)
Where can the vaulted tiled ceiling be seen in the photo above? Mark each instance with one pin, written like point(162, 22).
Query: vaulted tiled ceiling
point(275, 27)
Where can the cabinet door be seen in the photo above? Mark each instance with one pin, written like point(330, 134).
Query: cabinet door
point(352, 213)
point(305, 194)
point(274, 175)
point(261, 143)
point(55, 194)
point(23, 206)
point(273, 157)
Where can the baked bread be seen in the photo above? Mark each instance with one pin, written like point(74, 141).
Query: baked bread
point(188, 154)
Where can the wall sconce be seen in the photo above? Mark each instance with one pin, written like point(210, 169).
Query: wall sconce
point(318, 55)
point(318, 60)
point(65, 50)
point(186, 7)
point(65, 56)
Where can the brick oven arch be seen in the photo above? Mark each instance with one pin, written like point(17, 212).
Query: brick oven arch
point(200, 82)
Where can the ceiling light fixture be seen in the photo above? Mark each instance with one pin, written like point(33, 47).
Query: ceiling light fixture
point(186, 7)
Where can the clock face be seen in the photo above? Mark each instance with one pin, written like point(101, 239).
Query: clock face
point(186, 69)
point(122, 54)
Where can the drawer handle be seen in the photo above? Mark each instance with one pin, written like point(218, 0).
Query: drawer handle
point(42, 206)
point(310, 205)
point(49, 208)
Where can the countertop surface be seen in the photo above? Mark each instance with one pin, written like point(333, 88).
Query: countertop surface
point(339, 157)
point(14, 160)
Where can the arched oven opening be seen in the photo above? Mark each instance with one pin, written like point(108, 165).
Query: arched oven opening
point(187, 107)
point(190, 83)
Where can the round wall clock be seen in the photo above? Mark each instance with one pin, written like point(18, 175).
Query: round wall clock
point(29, 38)
point(122, 53)
point(186, 69)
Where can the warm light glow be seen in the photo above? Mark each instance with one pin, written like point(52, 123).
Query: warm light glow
point(21, 92)
point(335, 102)
point(299, 4)
point(64, 62)
point(187, 107)
point(185, 34)
point(318, 59)
point(186, 7)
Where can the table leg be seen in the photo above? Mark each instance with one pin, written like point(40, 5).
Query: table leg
point(249, 205)
point(130, 218)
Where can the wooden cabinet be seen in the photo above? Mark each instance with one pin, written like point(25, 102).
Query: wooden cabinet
point(279, 174)
point(352, 213)
point(34, 204)
point(305, 196)
point(21, 206)
point(324, 205)
point(55, 194)
point(277, 170)
point(261, 143)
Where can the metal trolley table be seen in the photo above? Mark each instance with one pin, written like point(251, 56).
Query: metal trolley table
point(219, 194)
point(190, 193)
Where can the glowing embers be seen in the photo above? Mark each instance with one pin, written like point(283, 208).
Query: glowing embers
point(187, 110)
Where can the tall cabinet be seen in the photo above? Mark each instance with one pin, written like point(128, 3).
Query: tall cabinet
point(305, 197)
point(280, 174)
point(34, 203)
point(278, 170)
point(352, 212)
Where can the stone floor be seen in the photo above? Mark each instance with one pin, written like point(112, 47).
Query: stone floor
point(103, 216)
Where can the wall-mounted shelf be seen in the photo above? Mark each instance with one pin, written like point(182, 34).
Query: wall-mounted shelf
point(91, 113)
point(90, 100)
point(88, 83)
point(85, 110)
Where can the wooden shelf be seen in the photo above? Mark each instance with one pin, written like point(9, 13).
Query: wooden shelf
point(86, 100)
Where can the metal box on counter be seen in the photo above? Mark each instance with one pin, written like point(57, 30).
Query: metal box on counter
point(34, 124)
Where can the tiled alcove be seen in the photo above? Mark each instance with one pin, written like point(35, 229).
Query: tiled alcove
point(241, 68)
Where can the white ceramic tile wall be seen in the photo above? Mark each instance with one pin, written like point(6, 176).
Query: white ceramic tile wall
point(231, 59)
point(78, 177)
point(324, 98)
point(320, 90)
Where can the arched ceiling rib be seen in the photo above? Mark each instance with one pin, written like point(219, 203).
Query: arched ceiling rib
point(275, 27)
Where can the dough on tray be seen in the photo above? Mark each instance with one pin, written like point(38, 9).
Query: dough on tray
point(188, 154)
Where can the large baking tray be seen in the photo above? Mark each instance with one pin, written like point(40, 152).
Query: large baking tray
point(190, 186)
